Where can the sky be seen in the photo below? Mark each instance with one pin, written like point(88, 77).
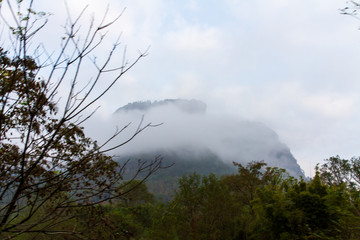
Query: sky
point(292, 65)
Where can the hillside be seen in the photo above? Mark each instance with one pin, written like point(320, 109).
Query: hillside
point(187, 126)
point(193, 141)
point(164, 182)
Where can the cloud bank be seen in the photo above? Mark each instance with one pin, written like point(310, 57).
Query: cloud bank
point(292, 65)
point(187, 126)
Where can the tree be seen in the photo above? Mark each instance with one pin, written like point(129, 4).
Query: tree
point(337, 171)
point(343, 174)
point(126, 218)
point(201, 209)
point(281, 207)
point(244, 184)
point(188, 200)
point(244, 187)
point(49, 168)
point(296, 209)
point(351, 9)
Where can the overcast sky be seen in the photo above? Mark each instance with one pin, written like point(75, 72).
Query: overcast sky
point(292, 65)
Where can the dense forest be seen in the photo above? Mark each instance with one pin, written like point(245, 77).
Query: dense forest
point(257, 202)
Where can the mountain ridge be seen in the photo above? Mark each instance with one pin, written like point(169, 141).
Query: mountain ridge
point(189, 131)
point(189, 106)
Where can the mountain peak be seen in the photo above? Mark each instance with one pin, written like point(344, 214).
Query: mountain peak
point(188, 127)
point(192, 106)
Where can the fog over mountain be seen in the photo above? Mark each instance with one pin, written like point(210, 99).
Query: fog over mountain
point(187, 106)
point(186, 125)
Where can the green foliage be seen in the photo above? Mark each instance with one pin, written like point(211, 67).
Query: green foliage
point(127, 217)
point(163, 184)
point(257, 203)
point(301, 210)
point(200, 210)
point(337, 171)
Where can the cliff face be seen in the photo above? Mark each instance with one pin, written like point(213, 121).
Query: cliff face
point(189, 133)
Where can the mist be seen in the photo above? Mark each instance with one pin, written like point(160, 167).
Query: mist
point(185, 125)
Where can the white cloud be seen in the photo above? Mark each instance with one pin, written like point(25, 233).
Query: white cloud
point(187, 85)
point(290, 64)
point(194, 39)
point(330, 106)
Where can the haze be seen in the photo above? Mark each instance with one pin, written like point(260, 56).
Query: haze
point(186, 126)
point(291, 65)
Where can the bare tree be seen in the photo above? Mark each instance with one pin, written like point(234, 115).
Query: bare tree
point(352, 8)
point(48, 167)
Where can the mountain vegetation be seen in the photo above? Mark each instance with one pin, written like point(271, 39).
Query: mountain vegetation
point(57, 183)
point(256, 202)
point(163, 183)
